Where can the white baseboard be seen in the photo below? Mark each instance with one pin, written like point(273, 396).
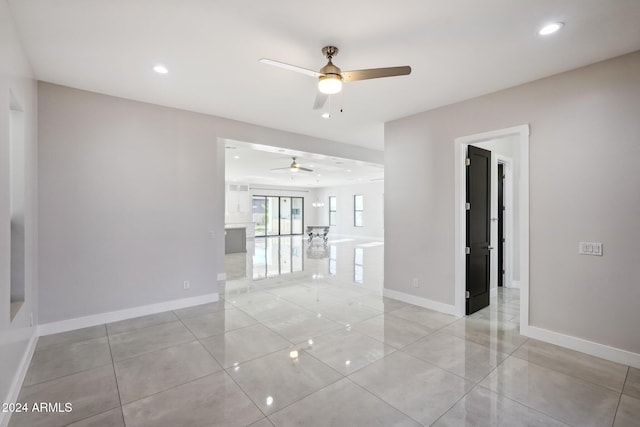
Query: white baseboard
point(419, 301)
point(589, 347)
point(129, 313)
point(18, 379)
point(493, 292)
point(515, 284)
point(222, 277)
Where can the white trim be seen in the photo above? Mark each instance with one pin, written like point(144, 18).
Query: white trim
point(18, 379)
point(419, 301)
point(128, 313)
point(460, 148)
point(515, 284)
point(493, 292)
point(589, 347)
point(222, 277)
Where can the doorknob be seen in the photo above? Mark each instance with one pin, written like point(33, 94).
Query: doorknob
point(494, 219)
point(490, 248)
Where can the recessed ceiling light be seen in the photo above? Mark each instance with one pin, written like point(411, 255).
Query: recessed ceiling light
point(160, 69)
point(326, 115)
point(550, 28)
point(236, 157)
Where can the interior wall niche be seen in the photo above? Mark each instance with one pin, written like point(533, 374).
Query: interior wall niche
point(17, 174)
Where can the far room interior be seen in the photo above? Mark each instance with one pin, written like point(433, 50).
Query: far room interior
point(285, 206)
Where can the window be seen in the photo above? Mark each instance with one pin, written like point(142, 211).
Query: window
point(333, 206)
point(358, 208)
point(275, 215)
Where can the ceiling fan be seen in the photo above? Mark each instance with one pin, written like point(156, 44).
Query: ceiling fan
point(294, 167)
point(330, 77)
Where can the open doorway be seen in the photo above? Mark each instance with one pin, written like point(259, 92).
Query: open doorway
point(274, 194)
point(510, 148)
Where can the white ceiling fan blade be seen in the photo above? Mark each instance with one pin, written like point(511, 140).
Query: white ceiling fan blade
point(304, 169)
point(286, 66)
point(375, 73)
point(321, 99)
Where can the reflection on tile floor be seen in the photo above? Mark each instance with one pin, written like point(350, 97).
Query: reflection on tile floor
point(302, 336)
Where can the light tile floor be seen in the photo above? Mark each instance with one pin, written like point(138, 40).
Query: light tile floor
point(315, 344)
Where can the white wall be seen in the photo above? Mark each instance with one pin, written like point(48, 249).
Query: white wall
point(16, 77)
point(584, 185)
point(129, 193)
point(373, 221)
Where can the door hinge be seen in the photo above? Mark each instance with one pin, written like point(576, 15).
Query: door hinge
point(467, 250)
point(467, 206)
point(467, 295)
point(467, 162)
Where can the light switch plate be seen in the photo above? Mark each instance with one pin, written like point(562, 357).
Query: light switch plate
point(590, 248)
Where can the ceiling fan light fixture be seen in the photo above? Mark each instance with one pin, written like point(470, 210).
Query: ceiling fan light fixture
point(330, 84)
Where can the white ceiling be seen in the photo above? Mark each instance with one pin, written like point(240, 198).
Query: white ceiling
point(254, 164)
point(458, 49)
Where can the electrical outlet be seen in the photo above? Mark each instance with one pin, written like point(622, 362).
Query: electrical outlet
point(416, 283)
point(186, 284)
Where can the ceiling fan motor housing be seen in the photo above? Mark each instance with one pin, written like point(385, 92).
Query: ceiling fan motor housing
point(330, 51)
point(330, 70)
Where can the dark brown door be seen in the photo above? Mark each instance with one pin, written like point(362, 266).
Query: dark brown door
point(478, 229)
point(500, 224)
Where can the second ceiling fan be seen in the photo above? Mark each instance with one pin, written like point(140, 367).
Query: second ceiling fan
point(294, 167)
point(330, 77)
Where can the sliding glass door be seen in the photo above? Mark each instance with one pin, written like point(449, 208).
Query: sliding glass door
point(273, 215)
point(285, 215)
point(296, 215)
point(278, 216)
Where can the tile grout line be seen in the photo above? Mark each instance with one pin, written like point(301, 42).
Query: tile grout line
point(571, 375)
point(477, 384)
point(71, 373)
point(523, 404)
point(113, 366)
point(615, 414)
point(224, 371)
point(291, 344)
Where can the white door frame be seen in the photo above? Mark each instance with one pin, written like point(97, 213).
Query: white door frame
point(460, 146)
